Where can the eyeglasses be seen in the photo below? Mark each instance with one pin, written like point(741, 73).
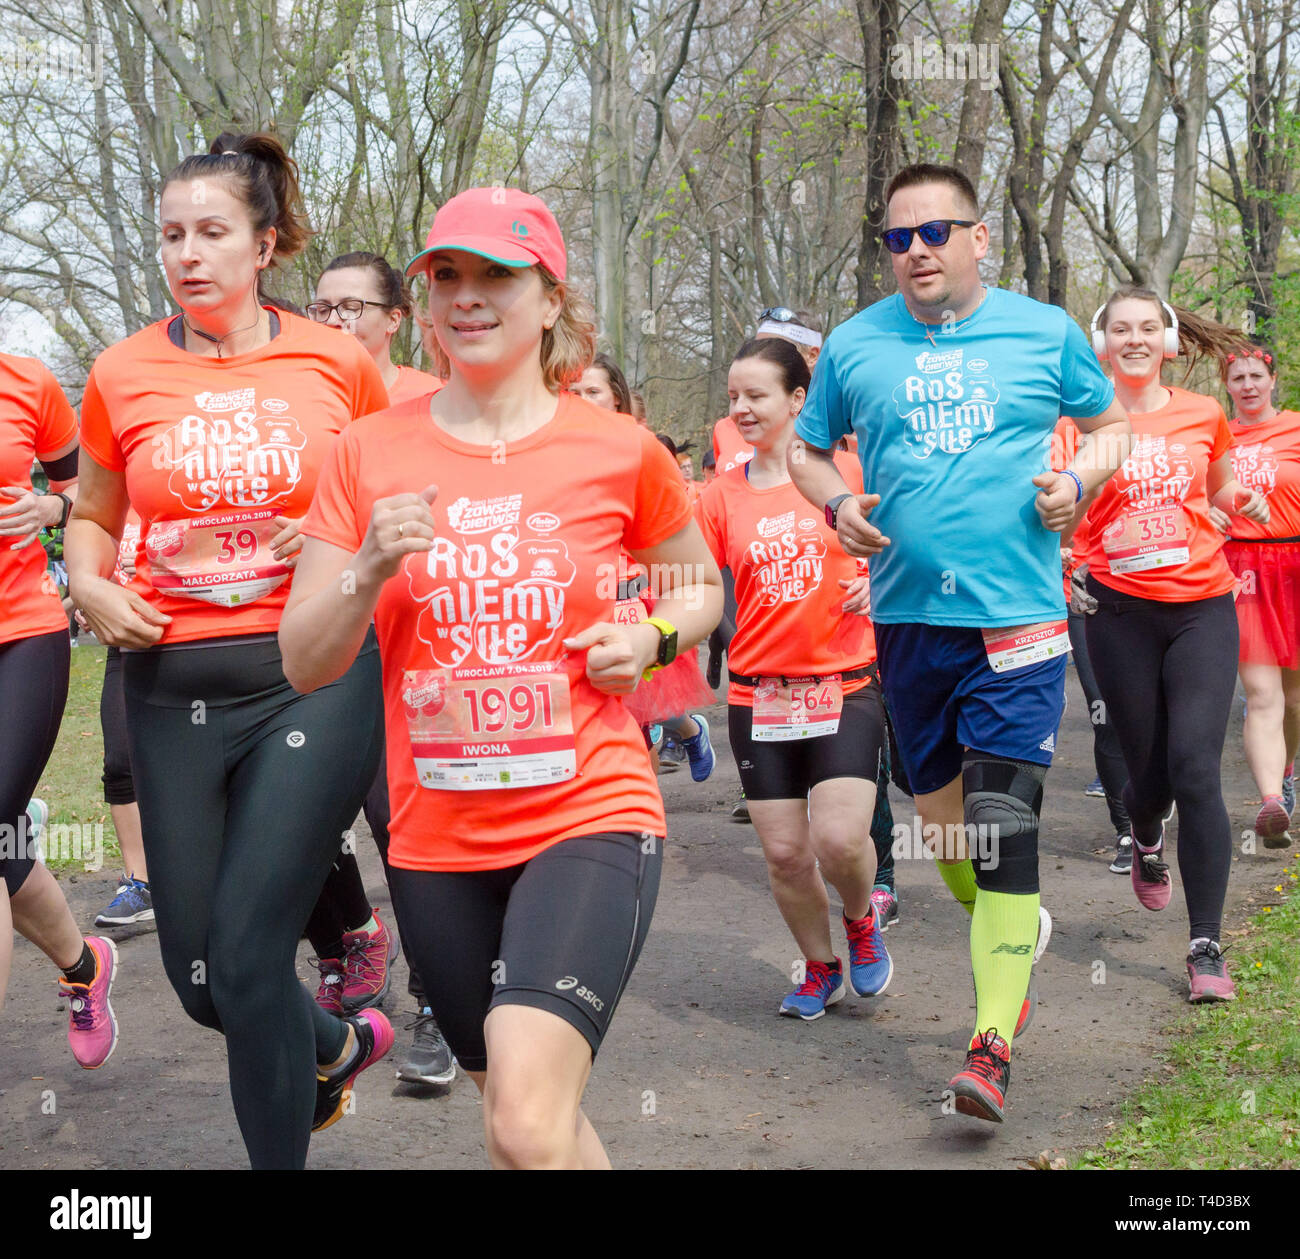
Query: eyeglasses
point(898, 240)
point(779, 314)
point(348, 308)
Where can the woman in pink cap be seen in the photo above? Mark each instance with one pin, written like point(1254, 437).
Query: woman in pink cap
point(481, 529)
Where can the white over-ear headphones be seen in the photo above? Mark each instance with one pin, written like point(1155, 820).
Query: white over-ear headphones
point(1171, 333)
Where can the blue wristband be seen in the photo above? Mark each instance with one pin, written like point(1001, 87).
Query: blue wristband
point(1073, 477)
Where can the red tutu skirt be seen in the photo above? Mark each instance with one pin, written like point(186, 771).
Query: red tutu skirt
point(671, 691)
point(1268, 603)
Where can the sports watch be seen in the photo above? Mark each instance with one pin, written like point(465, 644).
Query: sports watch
point(833, 507)
point(667, 644)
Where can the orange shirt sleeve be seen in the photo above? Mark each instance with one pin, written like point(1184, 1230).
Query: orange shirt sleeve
point(97, 435)
point(1222, 437)
point(371, 395)
point(661, 507)
point(332, 516)
point(712, 518)
point(56, 422)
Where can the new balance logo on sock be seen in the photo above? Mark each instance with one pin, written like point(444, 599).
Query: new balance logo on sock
point(1018, 949)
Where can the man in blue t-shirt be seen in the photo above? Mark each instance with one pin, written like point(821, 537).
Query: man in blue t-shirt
point(953, 391)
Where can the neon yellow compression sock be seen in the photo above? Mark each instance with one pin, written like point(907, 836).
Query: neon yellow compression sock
point(960, 878)
point(1003, 933)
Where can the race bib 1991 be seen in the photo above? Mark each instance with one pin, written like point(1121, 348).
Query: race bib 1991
point(490, 727)
point(224, 559)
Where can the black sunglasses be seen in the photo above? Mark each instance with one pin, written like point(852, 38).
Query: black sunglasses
point(898, 240)
point(348, 308)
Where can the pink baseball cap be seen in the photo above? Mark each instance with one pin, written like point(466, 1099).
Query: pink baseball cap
point(504, 224)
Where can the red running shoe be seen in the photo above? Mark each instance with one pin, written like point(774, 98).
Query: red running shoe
point(1272, 822)
point(92, 1029)
point(366, 955)
point(981, 1086)
point(329, 993)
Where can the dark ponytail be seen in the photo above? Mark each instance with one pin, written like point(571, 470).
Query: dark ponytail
point(265, 178)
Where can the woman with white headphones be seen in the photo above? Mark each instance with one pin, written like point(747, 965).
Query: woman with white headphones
point(1163, 637)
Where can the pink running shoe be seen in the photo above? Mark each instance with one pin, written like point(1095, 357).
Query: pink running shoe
point(1150, 876)
point(1207, 973)
point(329, 993)
point(374, 1039)
point(366, 958)
point(1272, 822)
point(92, 1029)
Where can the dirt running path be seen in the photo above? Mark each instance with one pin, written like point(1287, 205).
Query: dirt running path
point(698, 1070)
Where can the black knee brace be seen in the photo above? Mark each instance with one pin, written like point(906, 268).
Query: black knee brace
point(1001, 800)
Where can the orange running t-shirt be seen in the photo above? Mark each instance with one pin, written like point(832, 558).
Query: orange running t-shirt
point(35, 421)
point(788, 565)
point(730, 450)
point(527, 554)
point(1266, 457)
point(412, 383)
point(1151, 531)
point(214, 450)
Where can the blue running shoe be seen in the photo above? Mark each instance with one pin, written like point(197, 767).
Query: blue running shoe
point(133, 902)
point(1095, 788)
point(870, 966)
point(700, 750)
point(823, 985)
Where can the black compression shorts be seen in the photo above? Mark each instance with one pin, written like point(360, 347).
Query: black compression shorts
point(790, 770)
point(561, 933)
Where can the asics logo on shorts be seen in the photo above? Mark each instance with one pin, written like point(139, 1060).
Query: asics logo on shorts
point(568, 982)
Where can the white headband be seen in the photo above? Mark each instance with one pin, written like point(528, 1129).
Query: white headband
point(791, 332)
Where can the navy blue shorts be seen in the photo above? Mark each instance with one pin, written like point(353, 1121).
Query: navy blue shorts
point(944, 698)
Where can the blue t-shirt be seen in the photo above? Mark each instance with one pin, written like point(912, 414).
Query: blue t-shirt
point(952, 428)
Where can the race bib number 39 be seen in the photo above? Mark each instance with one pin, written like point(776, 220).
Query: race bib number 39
point(224, 559)
point(490, 727)
point(1015, 646)
point(1142, 540)
point(799, 708)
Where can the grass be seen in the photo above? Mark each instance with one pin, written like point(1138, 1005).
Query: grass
point(71, 784)
point(1228, 1090)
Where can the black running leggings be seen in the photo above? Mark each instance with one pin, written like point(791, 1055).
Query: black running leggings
point(33, 693)
point(1106, 752)
point(119, 787)
point(245, 790)
point(343, 904)
point(1167, 672)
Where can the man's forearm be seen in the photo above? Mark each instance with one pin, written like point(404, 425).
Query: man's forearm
point(1100, 454)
